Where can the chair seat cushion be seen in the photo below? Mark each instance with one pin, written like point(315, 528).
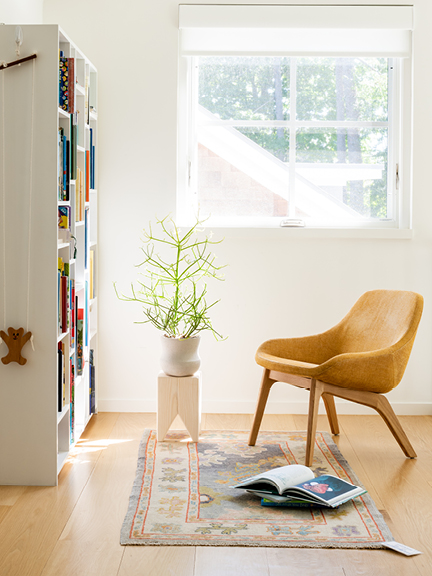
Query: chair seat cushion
point(286, 365)
point(370, 371)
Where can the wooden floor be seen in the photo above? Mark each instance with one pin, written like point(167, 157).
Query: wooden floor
point(74, 529)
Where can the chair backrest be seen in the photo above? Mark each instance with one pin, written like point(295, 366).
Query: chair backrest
point(379, 319)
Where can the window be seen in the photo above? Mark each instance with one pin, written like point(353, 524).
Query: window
point(294, 126)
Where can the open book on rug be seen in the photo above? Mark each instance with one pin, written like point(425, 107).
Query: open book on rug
point(295, 485)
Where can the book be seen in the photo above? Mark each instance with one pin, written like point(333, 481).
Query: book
point(60, 270)
point(71, 93)
point(92, 387)
point(67, 169)
point(61, 382)
point(73, 313)
point(291, 504)
point(86, 235)
point(67, 290)
point(294, 483)
point(91, 158)
point(64, 224)
point(86, 311)
point(60, 162)
point(63, 288)
point(59, 379)
point(72, 399)
point(79, 195)
point(87, 176)
point(63, 82)
point(64, 217)
point(80, 342)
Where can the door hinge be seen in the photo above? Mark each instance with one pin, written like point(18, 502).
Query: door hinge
point(397, 177)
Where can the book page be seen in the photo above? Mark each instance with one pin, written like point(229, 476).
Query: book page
point(328, 488)
point(282, 477)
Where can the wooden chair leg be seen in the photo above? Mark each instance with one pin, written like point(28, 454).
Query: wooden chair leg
point(379, 403)
point(316, 389)
point(386, 411)
point(266, 384)
point(330, 407)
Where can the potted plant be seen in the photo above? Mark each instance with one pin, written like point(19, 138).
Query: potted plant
point(172, 290)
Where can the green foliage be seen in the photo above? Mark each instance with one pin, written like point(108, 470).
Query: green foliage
point(328, 89)
point(172, 289)
point(242, 88)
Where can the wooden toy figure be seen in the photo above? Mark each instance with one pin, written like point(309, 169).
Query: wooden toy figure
point(15, 342)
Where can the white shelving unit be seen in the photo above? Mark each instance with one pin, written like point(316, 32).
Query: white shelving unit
point(35, 435)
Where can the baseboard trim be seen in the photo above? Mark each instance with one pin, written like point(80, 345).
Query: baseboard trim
point(224, 407)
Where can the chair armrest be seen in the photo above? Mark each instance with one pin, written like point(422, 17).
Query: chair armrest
point(314, 349)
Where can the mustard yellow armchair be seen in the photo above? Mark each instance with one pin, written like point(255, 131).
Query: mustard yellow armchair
point(359, 359)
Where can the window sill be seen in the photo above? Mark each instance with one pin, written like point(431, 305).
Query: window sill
point(320, 233)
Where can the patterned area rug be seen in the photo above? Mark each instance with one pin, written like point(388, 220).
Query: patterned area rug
point(183, 495)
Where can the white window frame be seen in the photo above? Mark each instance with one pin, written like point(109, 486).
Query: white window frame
point(399, 149)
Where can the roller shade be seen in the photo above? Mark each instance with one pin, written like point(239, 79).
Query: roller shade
point(296, 30)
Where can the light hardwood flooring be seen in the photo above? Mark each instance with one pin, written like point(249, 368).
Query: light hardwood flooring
point(74, 529)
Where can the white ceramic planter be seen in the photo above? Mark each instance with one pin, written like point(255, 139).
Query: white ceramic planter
point(180, 356)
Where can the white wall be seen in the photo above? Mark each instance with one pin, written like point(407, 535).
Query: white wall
point(21, 11)
point(275, 285)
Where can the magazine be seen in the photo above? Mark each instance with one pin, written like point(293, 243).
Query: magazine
point(294, 484)
point(291, 503)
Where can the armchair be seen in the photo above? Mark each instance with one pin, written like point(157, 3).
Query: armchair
point(360, 359)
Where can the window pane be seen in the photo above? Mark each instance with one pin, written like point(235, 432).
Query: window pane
point(243, 170)
point(239, 173)
point(348, 165)
point(342, 89)
point(244, 88)
point(273, 140)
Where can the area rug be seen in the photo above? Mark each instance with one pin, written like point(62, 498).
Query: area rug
point(183, 495)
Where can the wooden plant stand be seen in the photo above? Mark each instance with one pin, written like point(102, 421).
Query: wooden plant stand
point(182, 396)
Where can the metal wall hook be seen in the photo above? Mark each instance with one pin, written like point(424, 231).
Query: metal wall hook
point(19, 36)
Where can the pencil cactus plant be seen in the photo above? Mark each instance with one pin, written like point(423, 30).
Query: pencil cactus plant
point(172, 284)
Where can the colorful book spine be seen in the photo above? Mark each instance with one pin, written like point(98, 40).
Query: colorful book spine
point(87, 174)
point(60, 79)
point(59, 294)
point(86, 310)
point(63, 296)
point(79, 196)
point(61, 377)
point(64, 83)
point(60, 164)
point(73, 314)
point(67, 290)
point(64, 217)
point(80, 342)
point(91, 160)
point(72, 399)
point(63, 285)
point(86, 236)
point(67, 169)
point(92, 383)
point(71, 94)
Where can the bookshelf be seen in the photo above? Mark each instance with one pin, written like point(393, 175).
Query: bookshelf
point(46, 403)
